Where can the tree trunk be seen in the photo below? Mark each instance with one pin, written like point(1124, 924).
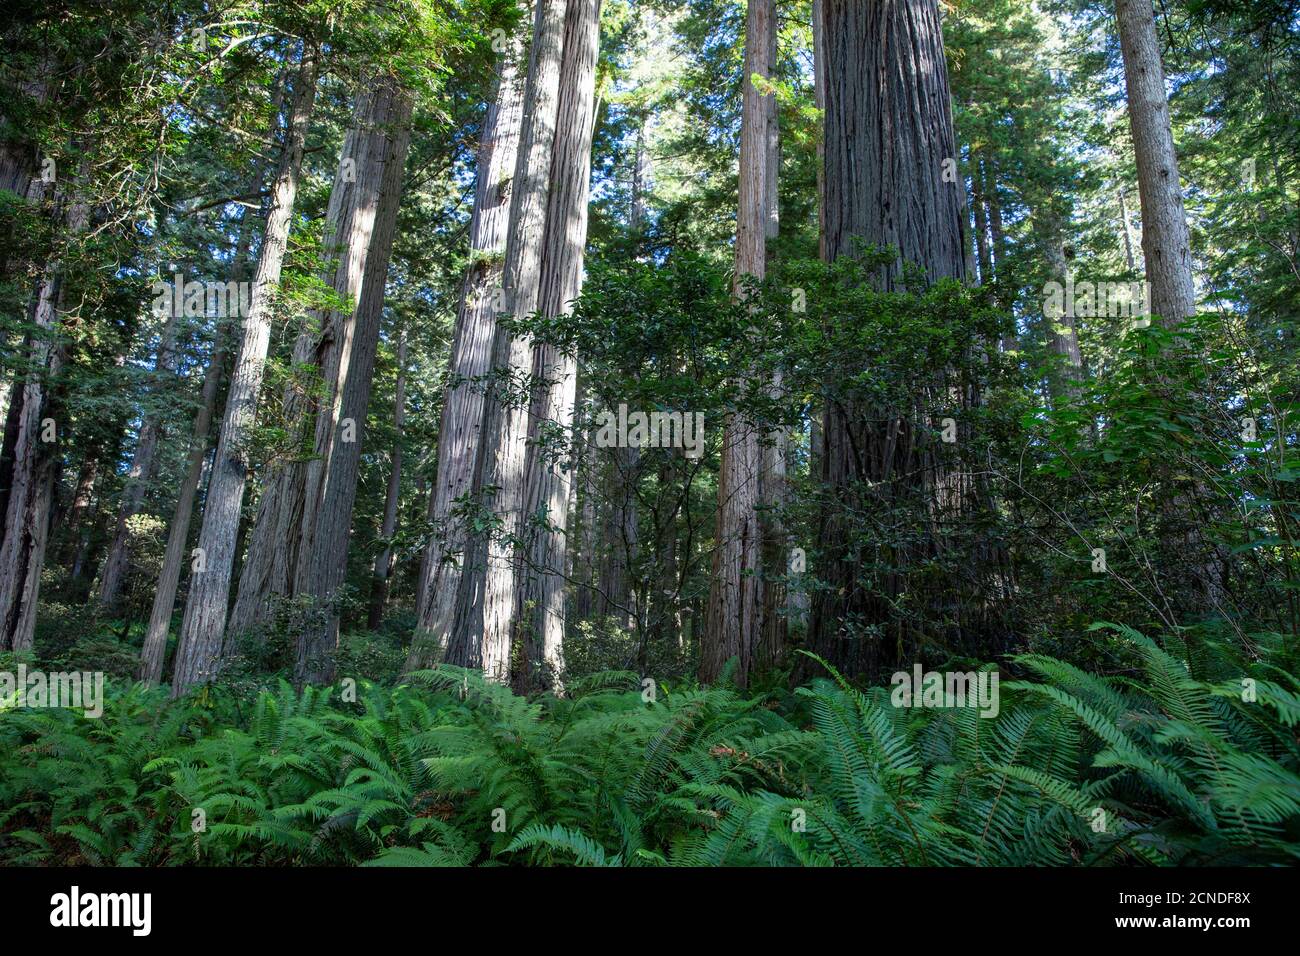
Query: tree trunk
point(981, 224)
point(143, 467)
point(327, 525)
point(203, 627)
point(548, 469)
point(286, 512)
point(482, 633)
point(153, 649)
point(1126, 228)
point(31, 488)
point(1065, 382)
point(384, 560)
point(471, 360)
point(888, 134)
point(738, 593)
point(1166, 243)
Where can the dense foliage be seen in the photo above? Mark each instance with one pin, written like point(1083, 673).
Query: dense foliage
point(1163, 761)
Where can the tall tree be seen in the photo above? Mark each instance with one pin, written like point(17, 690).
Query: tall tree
point(471, 360)
point(738, 597)
point(204, 623)
point(482, 631)
point(332, 486)
point(888, 183)
point(291, 495)
point(30, 491)
point(1166, 241)
point(392, 498)
point(549, 468)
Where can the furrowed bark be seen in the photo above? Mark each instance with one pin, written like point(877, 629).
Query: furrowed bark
point(888, 133)
point(483, 629)
point(471, 360)
point(548, 470)
point(323, 567)
point(738, 599)
point(286, 512)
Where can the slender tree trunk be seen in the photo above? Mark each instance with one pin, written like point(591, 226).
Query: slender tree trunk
point(737, 597)
point(323, 567)
point(164, 602)
point(79, 519)
point(621, 538)
point(819, 100)
point(981, 224)
point(483, 631)
point(1126, 228)
point(1166, 242)
point(1065, 383)
point(154, 646)
point(547, 470)
point(143, 467)
point(384, 560)
point(471, 361)
point(35, 457)
point(204, 623)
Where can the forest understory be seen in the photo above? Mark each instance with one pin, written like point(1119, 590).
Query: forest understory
point(650, 433)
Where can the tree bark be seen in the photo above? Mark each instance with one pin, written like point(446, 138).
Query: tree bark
point(287, 510)
point(203, 626)
point(548, 469)
point(888, 134)
point(1166, 242)
point(482, 633)
point(35, 460)
point(154, 646)
point(327, 525)
point(738, 596)
point(471, 360)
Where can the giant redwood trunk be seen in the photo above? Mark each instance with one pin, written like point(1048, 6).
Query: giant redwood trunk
point(471, 360)
point(548, 471)
point(331, 489)
point(738, 599)
point(286, 511)
point(888, 132)
point(483, 628)
point(203, 627)
point(1166, 242)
